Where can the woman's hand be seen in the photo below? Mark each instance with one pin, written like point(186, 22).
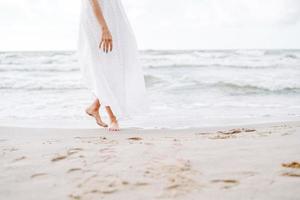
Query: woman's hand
point(106, 43)
point(106, 40)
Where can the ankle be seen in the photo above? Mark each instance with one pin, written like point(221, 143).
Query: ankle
point(113, 119)
point(94, 108)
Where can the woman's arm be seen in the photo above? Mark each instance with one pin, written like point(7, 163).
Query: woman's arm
point(106, 41)
point(99, 15)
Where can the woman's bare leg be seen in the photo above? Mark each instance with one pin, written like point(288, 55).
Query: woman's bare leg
point(114, 126)
point(93, 110)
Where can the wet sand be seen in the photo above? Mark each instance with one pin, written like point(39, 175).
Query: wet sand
point(260, 161)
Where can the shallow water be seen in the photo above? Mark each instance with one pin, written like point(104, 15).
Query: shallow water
point(186, 88)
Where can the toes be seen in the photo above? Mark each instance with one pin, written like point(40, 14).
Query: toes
point(103, 124)
point(114, 129)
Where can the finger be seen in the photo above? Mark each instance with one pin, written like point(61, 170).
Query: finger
point(106, 46)
point(100, 45)
point(111, 46)
point(103, 46)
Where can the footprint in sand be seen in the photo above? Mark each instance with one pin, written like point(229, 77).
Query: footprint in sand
point(38, 175)
point(58, 158)
point(73, 170)
point(50, 141)
point(95, 188)
point(236, 131)
point(73, 151)
point(75, 197)
point(70, 152)
point(104, 191)
point(96, 140)
point(227, 183)
point(141, 184)
point(135, 138)
point(247, 130)
point(294, 165)
point(222, 137)
point(19, 159)
point(231, 133)
point(290, 174)
point(248, 173)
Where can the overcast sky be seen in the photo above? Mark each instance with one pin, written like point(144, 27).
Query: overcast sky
point(158, 24)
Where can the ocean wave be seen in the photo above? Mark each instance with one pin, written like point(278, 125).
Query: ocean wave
point(273, 55)
point(166, 86)
point(152, 80)
point(293, 56)
point(252, 53)
point(160, 67)
point(166, 52)
point(174, 66)
point(40, 61)
point(31, 58)
point(231, 88)
point(42, 88)
point(216, 65)
point(39, 68)
point(249, 88)
point(189, 84)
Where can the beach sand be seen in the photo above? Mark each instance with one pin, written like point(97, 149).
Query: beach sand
point(259, 161)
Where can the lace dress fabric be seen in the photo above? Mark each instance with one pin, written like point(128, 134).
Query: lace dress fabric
point(115, 78)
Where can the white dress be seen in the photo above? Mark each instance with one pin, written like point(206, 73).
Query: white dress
point(115, 78)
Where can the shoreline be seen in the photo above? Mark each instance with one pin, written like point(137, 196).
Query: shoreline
point(91, 125)
point(100, 130)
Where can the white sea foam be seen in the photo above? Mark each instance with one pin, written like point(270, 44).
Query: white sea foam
point(186, 88)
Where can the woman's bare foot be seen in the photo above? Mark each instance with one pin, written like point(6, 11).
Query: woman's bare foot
point(95, 113)
point(114, 125)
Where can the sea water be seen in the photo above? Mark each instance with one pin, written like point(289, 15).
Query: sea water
point(186, 88)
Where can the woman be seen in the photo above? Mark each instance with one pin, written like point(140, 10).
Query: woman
point(108, 54)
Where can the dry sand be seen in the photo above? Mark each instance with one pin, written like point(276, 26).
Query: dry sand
point(244, 162)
